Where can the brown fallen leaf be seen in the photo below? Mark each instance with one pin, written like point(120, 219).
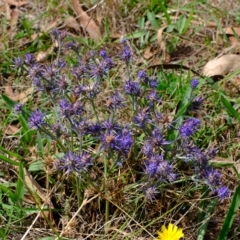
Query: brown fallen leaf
point(232, 31)
point(21, 97)
point(72, 23)
point(86, 21)
point(11, 129)
point(222, 66)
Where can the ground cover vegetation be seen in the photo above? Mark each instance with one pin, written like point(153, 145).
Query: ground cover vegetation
point(109, 129)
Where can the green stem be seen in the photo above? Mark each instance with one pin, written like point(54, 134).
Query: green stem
point(106, 190)
point(94, 109)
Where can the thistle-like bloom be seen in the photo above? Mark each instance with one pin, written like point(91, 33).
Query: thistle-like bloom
point(18, 108)
point(223, 192)
point(72, 162)
point(142, 76)
point(150, 192)
point(196, 104)
point(170, 233)
point(18, 62)
point(29, 59)
point(124, 141)
point(153, 96)
point(66, 108)
point(115, 101)
point(142, 118)
point(194, 83)
point(132, 88)
point(189, 127)
point(36, 120)
point(153, 83)
point(126, 54)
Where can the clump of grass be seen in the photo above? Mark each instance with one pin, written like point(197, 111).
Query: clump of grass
point(108, 140)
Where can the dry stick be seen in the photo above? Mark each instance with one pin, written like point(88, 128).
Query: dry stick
point(31, 226)
point(85, 201)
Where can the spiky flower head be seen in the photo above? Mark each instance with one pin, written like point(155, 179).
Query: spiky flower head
point(36, 120)
point(189, 127)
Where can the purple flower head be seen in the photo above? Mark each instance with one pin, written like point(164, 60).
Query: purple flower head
point(48, 72)
point(124, 141)
point(194, 83)
point(196, 104)
point(142, 118)
point(115, 101)
point(103, 53)
point(29, 59)
point(153, 96)
point(212, 177)
point(108, 140)
point(97, 71)
point(164, 169)
point(142, 75)
point(94, 129)
point(66, 108)
point(189, 127)
point(78, 108)
point(157, 138)
point(126, 54)
point(151, 169)
point(59, 64)
point(223, 192)
point(83, 160)
point(72, 162)
point(18, 62)
point(36, 120)
point(80, 71)
point(35, 71)
point(106, 64)
point(132, 88)
point(153, 83)
point(150, 192)
point(147, 148)
point(108, 125)
point(58, 35)
point(18, 108)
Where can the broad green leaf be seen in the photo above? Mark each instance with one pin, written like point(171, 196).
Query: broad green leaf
point(152, 19)
point(8, 192)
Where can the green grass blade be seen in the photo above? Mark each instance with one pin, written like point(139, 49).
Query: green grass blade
point(8, 101)
point(8, 160)
point(12, 154)
point(233, 209)
point(230, 108)
point(20, 182)
point(8, 192)
point(203, 228)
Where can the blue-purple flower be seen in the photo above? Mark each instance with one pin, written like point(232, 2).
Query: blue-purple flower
point(223, 192)
point(194, 83)
point(74, 162)
point(132, 88)
point(36, 120)
point(189, 127)
point(18, 108)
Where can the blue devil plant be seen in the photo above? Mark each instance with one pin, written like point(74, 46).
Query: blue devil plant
point(96, 110)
